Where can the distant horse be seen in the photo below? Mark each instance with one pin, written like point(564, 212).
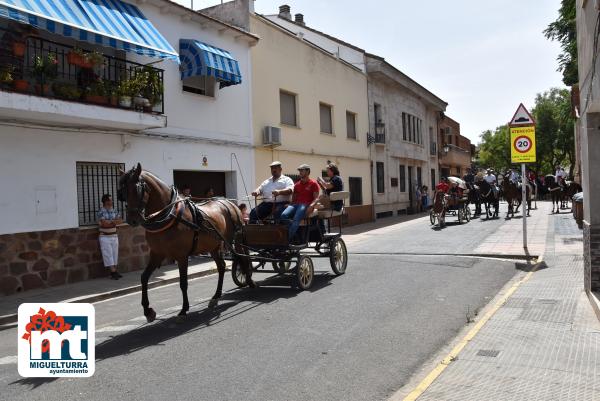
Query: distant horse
point(177, 228)
point(439, 208)
point(513, 194)
point(556, 192)
point(474, 197)
point(488, 197)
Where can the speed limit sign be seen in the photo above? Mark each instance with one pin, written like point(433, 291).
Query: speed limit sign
point(522, 148)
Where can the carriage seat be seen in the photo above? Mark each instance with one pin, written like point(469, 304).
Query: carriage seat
point(334, 196)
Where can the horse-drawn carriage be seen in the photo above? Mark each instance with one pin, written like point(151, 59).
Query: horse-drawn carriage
point(319, 236)
point(455, 203)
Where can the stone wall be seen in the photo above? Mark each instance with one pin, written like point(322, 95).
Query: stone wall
point(50, 258)
point(591, 257)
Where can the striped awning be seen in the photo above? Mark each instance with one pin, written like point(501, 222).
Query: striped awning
point(111, 23)
point(200, 59)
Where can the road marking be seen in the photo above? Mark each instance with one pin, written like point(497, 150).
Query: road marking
point(117, 328)
point(437, 371)
point(7, 360)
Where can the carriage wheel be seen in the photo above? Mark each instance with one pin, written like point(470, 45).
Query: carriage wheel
point(432, 217)
point(468, 214)
point(237, 274)
point(338, 256)
point(305, 272)
point(282, 267)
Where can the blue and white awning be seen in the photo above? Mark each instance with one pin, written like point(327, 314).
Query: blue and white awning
point(200, 59)
point(111, 23)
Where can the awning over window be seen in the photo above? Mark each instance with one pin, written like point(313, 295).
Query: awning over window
point(200, 59)
point(111, 23)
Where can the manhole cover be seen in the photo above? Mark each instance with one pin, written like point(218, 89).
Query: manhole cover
point(491, 353)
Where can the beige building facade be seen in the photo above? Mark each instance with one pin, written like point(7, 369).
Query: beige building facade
point(308, 106)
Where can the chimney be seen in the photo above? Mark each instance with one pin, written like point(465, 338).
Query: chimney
point(300, 19)
point(285, 12)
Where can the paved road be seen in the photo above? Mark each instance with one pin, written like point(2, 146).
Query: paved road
point(355, 337)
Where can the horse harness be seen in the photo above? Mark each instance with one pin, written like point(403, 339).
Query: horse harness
point(172, 214)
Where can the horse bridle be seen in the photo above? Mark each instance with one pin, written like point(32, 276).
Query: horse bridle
point(142, 194)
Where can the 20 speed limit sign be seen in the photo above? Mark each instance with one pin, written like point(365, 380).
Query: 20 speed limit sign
point(522, 148)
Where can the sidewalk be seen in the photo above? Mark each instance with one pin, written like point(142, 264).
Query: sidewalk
point(541, 342)
point(101, 288)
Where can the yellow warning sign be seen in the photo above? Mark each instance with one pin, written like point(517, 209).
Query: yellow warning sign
point(522, 144)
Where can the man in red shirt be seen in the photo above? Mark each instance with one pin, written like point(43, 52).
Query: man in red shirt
point(443, 185)
point(306, 194)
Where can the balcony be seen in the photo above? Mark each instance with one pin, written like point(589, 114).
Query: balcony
point(379, 133)
point(46, 81)
point(433, 149)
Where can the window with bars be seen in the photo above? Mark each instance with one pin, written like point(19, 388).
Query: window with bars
point(94, 180)
point(355, 185)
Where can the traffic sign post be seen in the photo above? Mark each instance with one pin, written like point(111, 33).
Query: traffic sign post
point(522, 150)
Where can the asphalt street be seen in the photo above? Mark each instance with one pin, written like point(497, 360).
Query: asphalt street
point(359, 336)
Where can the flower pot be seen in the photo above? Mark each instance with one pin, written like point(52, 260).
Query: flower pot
point(96, 99)
point(43, 90)
point(21, 85)
point(148, 108)
point(74, 58)
point(125, 102)
point(114, 100)
point(19, 49)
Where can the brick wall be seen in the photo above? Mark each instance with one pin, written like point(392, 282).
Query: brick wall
point(50, 258)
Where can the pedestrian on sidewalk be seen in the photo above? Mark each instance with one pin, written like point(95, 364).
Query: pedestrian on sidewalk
point(108, 220)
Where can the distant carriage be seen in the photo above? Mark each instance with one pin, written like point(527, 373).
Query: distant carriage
point(452, 204)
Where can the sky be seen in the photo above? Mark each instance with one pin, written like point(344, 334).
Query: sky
point(482, 57)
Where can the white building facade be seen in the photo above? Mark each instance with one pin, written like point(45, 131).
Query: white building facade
point(59, 156)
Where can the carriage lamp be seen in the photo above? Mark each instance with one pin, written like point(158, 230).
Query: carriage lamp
point(446, 149)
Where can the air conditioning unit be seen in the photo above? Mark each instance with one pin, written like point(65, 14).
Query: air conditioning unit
point(448, 130)
point(272, 136)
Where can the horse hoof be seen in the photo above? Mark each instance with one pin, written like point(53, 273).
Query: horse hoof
point(252, 284)
point(150, 315)
point(213, 302)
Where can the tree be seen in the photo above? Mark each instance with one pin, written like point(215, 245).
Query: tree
point(494, 149)
point(564, 31)
point(555, 141)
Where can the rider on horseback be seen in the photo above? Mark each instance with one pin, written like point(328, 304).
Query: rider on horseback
point(490, 178)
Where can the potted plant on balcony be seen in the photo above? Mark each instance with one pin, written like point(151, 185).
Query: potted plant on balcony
point(66, 90)
point(93, 59)
point(6, 75)
point(96, 93)
point(112, 92)
point(125, 92)
point(18, 48)
point(153, 87)
point(75, 57)
point(45, 69)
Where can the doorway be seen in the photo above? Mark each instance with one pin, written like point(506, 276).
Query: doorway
point(200, 182)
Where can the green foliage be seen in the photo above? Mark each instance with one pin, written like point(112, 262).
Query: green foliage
point(554, 136)
point(564, 31)
point(494, 149)
point(45, 68)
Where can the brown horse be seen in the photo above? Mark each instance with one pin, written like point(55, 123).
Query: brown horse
point(513, 195)
point(556, 192)
point(439, 208)
point(176, 228)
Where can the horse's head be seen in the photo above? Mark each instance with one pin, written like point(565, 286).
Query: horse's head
point(549, 180)
point(134, 191)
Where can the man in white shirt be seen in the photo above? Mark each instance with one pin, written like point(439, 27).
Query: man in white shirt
point(490, 178)
point(561, 175)
point(276, 193)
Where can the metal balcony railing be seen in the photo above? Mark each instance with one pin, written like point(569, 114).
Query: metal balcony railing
point(433, 149)
point(380, 138)
point(50, 69)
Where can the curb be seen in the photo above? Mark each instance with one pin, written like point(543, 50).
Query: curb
point(7, 321)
